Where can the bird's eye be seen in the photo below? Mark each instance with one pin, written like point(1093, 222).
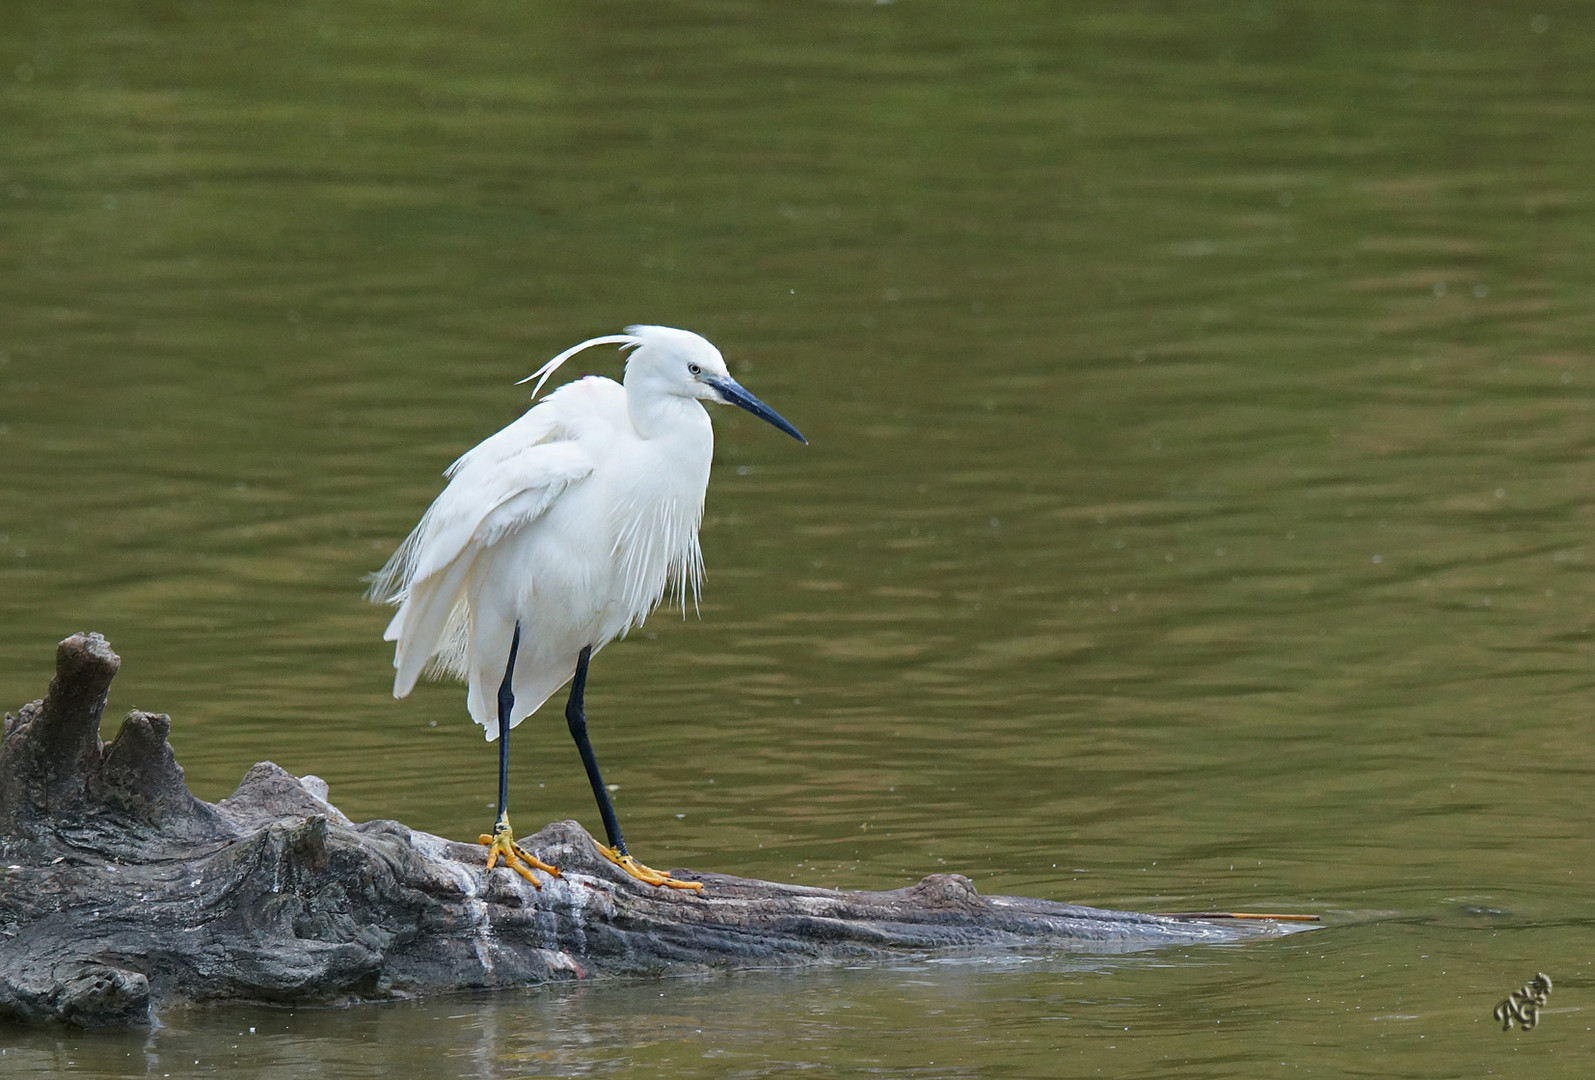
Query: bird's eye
point(694, 369)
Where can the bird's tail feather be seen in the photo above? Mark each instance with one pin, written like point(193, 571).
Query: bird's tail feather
point(429, 624)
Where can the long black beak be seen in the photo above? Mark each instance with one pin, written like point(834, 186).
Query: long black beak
point(732, 393)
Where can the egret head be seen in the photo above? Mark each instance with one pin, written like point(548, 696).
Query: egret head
point(677, 363)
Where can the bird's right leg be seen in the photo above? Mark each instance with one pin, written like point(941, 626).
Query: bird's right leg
point(502, 842)
point(576, 720)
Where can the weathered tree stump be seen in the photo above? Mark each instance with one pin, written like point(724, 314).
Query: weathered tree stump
point(121, 892)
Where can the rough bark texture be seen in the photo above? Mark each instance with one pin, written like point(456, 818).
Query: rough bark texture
point(121, 892)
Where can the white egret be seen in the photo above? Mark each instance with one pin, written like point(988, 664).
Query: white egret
point(557, 535)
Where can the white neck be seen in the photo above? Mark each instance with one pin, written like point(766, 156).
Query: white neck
point(658, 415)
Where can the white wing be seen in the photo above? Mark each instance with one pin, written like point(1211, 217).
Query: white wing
point(500, 486)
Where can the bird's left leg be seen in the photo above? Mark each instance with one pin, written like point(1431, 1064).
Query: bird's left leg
point(502, 842)
point(576, 720)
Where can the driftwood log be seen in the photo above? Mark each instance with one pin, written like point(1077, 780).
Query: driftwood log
point(120, 892)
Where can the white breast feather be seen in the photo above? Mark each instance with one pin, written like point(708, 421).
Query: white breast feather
point(656, 550)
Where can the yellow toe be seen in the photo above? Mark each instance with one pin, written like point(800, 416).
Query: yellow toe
point(647, 874)
point(502, 844)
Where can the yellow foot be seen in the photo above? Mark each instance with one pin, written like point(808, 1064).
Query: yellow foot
point(647, 874)
point(517, 858)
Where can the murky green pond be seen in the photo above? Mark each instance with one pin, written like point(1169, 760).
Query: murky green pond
point(1199, 509)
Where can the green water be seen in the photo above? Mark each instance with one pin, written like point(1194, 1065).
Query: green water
point(1198, 511)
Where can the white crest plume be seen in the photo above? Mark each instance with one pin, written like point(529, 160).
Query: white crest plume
point(542, 373)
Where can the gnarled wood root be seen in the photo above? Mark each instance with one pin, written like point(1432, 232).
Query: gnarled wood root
point(121, 892)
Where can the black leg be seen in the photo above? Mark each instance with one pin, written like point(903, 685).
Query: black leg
point(576, 718)
point(506, 702)
point(502, 845)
